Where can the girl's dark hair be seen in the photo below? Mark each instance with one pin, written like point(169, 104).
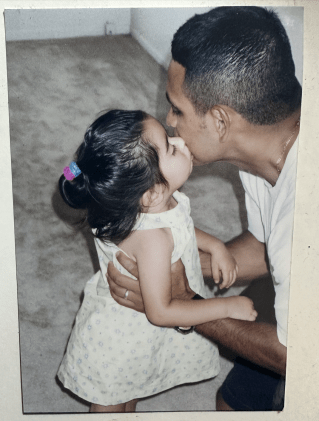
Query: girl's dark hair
point(239, 56)
point(118, 166)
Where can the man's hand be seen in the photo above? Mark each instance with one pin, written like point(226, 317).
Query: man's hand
point(119, 284)
point(180, 286)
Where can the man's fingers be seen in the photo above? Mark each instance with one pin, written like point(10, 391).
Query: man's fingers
point(137, 305)
point(119, 283)
point(180, 287)
point(115, 289)
point(127, 263)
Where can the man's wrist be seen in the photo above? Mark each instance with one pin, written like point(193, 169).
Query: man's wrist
point(207, 329)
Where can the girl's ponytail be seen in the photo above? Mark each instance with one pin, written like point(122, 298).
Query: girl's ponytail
point(74, 192)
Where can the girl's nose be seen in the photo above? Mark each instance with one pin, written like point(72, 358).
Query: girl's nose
point(177, 141)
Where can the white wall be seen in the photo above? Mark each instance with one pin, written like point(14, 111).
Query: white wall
point(30, 24)
point(292, 19)
point(154, 30)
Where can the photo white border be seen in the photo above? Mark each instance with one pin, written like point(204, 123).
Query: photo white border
point(303, 374)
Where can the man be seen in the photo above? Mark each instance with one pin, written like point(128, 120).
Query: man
point(235, 98)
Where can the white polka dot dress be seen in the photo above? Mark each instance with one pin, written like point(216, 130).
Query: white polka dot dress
point(114, 353)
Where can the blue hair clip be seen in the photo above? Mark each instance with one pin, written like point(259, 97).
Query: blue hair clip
point(74, 169)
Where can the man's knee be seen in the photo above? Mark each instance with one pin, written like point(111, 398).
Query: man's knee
point(221, 405)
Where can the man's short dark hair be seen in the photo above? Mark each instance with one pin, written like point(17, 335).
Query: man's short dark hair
point(239, 57)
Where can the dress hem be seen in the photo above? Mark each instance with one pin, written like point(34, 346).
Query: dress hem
point(135, 396)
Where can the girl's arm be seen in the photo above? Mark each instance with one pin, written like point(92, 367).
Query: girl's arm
point(153, 250)
point(223, 266)
point(207, 242)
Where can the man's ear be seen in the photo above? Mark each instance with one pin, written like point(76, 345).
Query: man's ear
point(153, 197)
point(221, 120)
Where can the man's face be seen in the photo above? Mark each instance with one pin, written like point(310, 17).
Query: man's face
point(197, 131)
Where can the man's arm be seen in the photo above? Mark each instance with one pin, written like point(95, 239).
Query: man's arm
point(257, 342)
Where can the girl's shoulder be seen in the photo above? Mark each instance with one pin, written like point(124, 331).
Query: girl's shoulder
point(145, 241)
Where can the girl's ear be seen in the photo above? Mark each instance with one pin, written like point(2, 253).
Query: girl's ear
point(153, 197)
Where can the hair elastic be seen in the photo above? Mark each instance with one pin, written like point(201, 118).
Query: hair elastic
point(71, 171)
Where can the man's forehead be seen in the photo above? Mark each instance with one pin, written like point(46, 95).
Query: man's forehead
point(174, 88)
point(175, 75)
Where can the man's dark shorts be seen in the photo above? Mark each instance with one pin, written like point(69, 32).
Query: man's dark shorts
point(249, 387)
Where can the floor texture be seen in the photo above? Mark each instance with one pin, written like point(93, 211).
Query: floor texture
point(56, 89)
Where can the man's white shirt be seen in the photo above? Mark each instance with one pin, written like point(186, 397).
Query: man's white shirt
point(270, 212)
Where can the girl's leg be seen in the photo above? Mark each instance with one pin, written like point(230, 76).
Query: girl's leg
point(110, 408)
point(131, 405)
point(122, 407)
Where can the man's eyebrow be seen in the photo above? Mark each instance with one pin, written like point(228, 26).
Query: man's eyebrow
point(168, 99)
point(172, 104)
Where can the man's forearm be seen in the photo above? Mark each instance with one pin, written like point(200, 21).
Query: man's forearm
point(249, 253)
point(256, 342)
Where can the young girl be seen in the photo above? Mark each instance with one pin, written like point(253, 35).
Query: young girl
point(126, 176)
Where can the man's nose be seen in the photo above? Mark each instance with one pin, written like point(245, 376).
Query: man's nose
point(170, 118)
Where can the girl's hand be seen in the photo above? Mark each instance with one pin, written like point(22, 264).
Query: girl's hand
point(224, 266)
point(241, 308)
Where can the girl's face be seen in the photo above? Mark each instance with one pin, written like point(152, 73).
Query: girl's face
point(176, 161)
